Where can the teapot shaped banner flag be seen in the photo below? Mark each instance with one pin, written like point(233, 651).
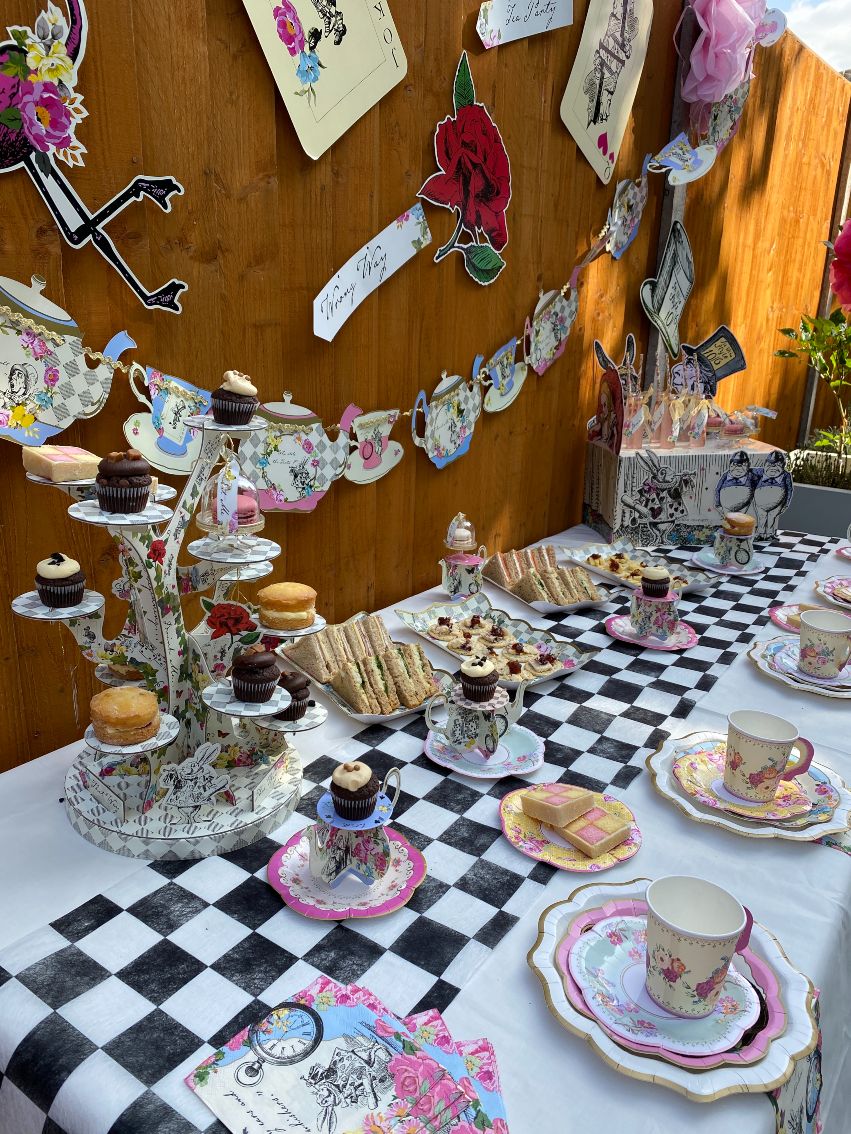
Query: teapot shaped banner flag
point(45, 382)
point(449, 419)
point(295, 459)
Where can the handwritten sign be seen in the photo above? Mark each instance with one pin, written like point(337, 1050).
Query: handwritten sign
point(368, 269)
point(501, 21)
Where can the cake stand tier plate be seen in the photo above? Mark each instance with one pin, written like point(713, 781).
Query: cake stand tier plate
point(318, 624)
point(206, 423)
point(168, 730)
point(289, 873)
point(795, 992)
point(163, 835)
point(315, 716)
point(519, 753)
point(248, 572)
point(30, 605)
point(164, 491)
point(89, 512)
point(536, 840)
point(219, 696)
point(252, 549)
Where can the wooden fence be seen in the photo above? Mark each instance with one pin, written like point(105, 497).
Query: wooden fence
point(184, 89)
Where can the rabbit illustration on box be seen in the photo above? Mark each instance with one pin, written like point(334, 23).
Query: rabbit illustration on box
point(188, 786)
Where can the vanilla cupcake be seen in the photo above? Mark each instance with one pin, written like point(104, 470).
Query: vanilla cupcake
point(59, 581)
point(235, 401)
point(478, 679)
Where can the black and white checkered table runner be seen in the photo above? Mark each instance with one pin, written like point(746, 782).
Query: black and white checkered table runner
point(104, 1011)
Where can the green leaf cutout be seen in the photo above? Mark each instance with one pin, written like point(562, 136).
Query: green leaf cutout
point(207, 604)
point(482, 263)
point(250, 639)
point(464, 92)
point(11, 118)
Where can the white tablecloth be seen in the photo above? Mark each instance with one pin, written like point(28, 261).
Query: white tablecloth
point(552, 1081)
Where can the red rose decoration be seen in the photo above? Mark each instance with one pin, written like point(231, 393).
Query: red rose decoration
point(229, 618)
point(840, 267)
point(156, 551)
point(475, 175)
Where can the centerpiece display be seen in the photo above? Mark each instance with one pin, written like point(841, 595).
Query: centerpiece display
point(219, 770)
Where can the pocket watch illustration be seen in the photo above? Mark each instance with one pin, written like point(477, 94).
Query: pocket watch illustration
point(290, 1033)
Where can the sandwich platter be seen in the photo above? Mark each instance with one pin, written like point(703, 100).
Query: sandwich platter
point(366, 664)
point(622, 552)
point(537, 566)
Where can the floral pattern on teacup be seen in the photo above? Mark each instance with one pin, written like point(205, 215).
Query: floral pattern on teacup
point(700, 768)
point(653, 618)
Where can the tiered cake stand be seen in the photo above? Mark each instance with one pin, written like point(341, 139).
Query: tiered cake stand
point(113, 799)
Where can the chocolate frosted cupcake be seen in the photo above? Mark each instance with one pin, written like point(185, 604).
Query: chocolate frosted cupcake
point(354, 790)
point(59, 581)
point(298, 687)
point(123, 482)
point(254, 676)
point(235, 401)
point(655, 582)
point(478, 679)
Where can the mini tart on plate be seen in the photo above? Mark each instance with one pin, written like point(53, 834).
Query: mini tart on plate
point(477, 623)
point(442, 628)
point(511, 669)
point(125, 716)
point(498, 637)
point(544, 664)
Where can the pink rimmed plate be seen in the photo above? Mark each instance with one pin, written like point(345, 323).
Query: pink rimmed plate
point(788, 617)
point(534, 839)
point(700, 773)
point(289, 873)
point(749, 1052)
point(844, 552)
point(620, 627)
point(788, 661)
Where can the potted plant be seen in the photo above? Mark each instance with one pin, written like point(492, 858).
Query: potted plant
point(821, 470)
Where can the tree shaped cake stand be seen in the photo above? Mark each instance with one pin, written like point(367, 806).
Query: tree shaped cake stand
point(114, 798)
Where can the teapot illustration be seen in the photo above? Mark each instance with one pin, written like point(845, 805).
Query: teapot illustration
point(449, 419)
point(46, 383)
point(470, 725)
point(295, 459)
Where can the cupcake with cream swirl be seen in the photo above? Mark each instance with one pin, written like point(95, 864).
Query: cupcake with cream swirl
point(235, 401)
point(59, 581)
point(354, 790)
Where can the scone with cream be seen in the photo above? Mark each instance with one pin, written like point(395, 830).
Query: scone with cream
point(287, 606)
point(125, 716)
point(235, 401)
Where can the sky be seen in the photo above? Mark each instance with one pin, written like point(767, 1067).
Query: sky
point(824, 25)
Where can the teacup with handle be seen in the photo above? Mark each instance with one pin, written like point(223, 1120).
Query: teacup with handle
point(759, 746)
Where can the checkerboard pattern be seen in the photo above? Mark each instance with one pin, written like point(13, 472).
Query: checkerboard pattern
point(103, 1012)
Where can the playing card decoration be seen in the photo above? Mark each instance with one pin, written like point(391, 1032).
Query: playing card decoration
point(40, 111)
point(332, 61)
point(602, 84)
point(474, 180)
point(664, 298)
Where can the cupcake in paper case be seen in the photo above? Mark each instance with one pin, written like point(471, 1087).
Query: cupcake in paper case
point(298, 687)
point(123, 482)
point(354, 790)
point(655, 581)
point(478, 679)
point(254, 676)
point(59, 581)
point(235, 401)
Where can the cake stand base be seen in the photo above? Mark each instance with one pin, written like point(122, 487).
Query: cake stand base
point(164, 835)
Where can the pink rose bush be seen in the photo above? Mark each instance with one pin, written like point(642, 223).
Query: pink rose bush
point(840, 267)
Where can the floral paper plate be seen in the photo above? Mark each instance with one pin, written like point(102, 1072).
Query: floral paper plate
point(535, 840)
point(764, 657)
point(844, 552)
point(609, 965)
point(821, 820)
point(788, 617)
point(700, 771)
point(752, 1046)
point(289, 873)
point(620, 627)
point(826, 589)
point(796, 993)
point(788, 660)
point(519, 753)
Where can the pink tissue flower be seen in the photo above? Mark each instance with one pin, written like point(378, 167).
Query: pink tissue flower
point(720, 59)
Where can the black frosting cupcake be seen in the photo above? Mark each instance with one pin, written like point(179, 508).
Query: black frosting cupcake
point(254, 676)
point(235, 401)
point(354, 790)
point(298, 687)
point(59, 581)
point(123, 482)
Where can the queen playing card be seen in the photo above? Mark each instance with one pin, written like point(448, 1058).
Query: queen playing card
point(604, 79)
point(332, 61)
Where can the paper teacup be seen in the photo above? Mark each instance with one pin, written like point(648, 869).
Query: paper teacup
point(733, 550)
point(693, 929)
point(825, 642)
point(654, 617)
point(172, 401)
point(372, 431)
point(758, 749)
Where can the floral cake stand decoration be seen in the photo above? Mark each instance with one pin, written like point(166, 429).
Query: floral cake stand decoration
point(474, 181)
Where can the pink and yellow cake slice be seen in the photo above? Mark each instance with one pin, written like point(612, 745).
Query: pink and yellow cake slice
point(61, 462)
point(595, 832)
point(556, 804)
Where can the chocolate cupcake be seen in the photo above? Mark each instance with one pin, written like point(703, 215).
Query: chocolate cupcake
point(59, 581)
point(298, 687)
point(655, 582)
point(354, 790)
point(123, 482)
point(478, 679)
point(254, 676)
point(235, 401)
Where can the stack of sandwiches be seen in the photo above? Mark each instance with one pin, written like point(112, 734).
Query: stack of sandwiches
point(533, 575)
point(365, 667)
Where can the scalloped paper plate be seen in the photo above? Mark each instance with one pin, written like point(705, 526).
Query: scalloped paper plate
point(700, 771)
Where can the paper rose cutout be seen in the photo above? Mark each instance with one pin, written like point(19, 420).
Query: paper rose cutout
point(474, 180)
point(840, 267)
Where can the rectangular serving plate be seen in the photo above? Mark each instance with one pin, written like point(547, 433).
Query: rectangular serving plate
point(578, 556)
point(542, 607)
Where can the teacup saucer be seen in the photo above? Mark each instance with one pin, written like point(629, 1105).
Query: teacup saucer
point(140, 433)
point(844, 552)
point(620, 627)
point(519, 753)
point(700, 772)
point(289, 873)
point(532, 838)
point(495, 401)
point(788, 660)
point(705, 559)
point(608, 963)
point(390, 458)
